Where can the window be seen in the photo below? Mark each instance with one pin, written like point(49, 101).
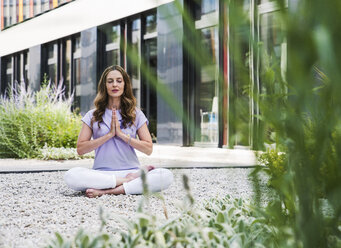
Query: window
point(208, 6)
point(37, 7)
point(148, 87)
point(112, 47)
point(134, 57)
point(77, 72)
point(206, 87)
point(15, 69)
point(52, 60)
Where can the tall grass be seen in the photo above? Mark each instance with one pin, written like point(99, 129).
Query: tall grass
point(30, 121)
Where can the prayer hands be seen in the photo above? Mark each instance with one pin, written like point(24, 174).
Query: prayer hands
point(115, 124)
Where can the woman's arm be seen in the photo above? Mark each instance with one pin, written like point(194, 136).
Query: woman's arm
point(144, 144)
point(84, 142)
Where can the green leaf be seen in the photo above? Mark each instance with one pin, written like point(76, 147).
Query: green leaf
point(220, 217)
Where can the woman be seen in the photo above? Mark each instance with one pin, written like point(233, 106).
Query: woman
point(113, 124)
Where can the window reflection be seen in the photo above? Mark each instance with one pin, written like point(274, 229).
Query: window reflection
point(208, 6)
point(67, 68)
point(12, 12)
point(6, 13)
point(112, 41)
point(136, 53)
point(77, 73)
point(9, 70)
point(52, 51)
point(36, 7)
point(45, 5)
point(26, 9)
point(151, 23)
point(207, 88)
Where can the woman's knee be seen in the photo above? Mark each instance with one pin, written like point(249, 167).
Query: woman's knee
point(166, 177)
point(71, 177)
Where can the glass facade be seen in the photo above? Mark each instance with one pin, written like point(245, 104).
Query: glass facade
point(184, 75)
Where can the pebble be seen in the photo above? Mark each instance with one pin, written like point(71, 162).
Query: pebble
point(33, 206)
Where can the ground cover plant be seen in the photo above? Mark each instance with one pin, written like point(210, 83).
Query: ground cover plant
point(222, 222)
point(33, 121)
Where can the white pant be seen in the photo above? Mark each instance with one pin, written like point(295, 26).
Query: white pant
point(81, 179)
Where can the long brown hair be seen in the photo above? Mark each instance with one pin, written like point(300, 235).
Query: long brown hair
point(128, 101)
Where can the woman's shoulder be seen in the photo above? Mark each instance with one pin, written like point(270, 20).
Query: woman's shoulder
point(90, 112)
point(139, 112)
point(89, 115)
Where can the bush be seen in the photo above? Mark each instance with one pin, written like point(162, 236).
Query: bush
point(31, 120)
point(62, 153)
point(275, 166)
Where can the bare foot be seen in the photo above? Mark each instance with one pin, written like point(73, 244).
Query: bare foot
point(150, 167)
point(92, 193)
point(132, 176)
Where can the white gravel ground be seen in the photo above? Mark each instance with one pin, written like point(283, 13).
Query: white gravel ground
point(33, 206)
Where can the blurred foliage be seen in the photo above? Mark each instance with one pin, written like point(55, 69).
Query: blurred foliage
point(303, 110)
point(275, 166)
point(30, 121)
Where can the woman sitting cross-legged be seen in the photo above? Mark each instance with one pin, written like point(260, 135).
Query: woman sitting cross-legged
point(113, 125)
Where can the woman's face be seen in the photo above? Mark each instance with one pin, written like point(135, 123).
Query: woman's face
point(115, 84)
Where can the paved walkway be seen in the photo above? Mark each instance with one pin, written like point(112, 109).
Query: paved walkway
point(163, 156)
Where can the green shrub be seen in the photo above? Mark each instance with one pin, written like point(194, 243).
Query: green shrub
point(275, 166)
point(31, 120)
point(62, 153)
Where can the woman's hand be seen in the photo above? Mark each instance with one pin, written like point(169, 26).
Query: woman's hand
point(113, 123)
